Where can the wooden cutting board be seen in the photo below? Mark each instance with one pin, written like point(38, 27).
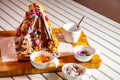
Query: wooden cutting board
point(25, 67)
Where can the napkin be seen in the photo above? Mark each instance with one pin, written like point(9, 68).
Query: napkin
point(81, 41)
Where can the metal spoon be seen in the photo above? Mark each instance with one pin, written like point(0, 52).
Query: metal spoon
point(80, 22)
point(77, 27)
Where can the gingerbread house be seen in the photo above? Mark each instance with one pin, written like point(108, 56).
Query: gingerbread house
point(35, 32)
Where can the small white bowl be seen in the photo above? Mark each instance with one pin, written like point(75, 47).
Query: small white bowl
point(43, 65)
point(78, 50)
point(73, 71)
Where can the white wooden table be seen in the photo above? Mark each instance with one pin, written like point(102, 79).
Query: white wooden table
point(102, 33)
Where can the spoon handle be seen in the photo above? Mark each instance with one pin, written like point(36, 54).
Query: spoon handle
point(80, 21)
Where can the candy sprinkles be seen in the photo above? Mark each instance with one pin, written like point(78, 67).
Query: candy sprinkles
point(83, 53)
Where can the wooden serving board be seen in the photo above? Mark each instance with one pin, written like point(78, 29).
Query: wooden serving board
point(25, 67)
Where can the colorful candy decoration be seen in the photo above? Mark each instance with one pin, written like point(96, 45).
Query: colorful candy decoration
point(37, 42)
point(38, 29)
point(56, 54)
point(46, 18)
point(82, 53)
point(53, 47)
point(35, 32)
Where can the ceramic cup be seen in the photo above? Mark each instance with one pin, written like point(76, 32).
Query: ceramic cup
point(83, 53)
point(71, 32)
point(43, 65)
point(73, 71)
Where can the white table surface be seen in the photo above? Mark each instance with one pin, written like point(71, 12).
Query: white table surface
point(102, 33)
